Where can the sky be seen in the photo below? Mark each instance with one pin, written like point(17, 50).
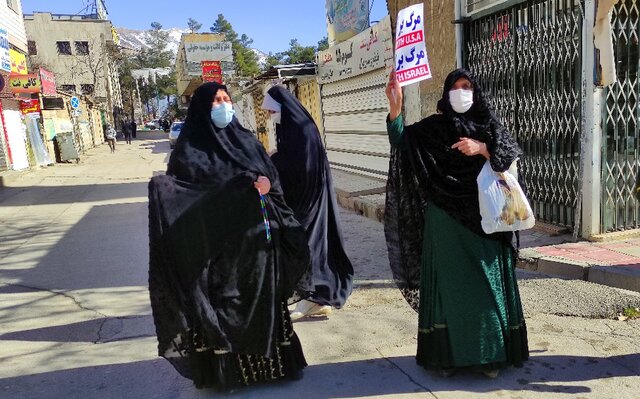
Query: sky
point(271, 24)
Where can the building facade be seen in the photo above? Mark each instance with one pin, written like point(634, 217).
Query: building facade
point(79, 50)
point(14, 142)
point(563, 77)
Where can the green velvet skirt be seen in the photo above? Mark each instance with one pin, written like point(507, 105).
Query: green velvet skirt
point(470, 311)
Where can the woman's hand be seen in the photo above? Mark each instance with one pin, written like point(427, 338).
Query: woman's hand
point(263, 185)
point(394, 94)
point(471, 147)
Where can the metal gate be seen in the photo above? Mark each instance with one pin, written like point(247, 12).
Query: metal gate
point(621, 124)
point(528, 57)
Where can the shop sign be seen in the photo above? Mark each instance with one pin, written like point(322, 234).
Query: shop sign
point(211, 71)
point(18, 62)
point(48, 82)
point(29, 83)
point(5, 57)
point(30, 106)
point(365, 52)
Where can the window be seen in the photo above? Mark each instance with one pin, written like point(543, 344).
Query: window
point(64, 48)
point(87, 89)
point(69, 88)
point(13, 4)
point(82, 48)
point(31, 46)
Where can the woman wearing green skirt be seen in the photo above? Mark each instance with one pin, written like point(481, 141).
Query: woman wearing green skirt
point(460, 280)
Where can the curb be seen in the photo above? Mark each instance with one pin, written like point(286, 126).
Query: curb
point(360, 205)
point(612, 276)
point(9, 177)
point(529, 259)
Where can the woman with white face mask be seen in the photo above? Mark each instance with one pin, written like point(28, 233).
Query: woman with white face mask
point(306, 181)
point(460, 280)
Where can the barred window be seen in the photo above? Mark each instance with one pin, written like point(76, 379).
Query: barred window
point(31, 47)
point(82, 48)
point(64, 48)
point(87, 89)
point(68, 88)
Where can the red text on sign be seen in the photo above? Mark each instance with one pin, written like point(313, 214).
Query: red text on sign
point(409, 39)
point(419, 71)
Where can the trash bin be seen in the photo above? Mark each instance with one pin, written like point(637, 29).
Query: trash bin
point(66, 146)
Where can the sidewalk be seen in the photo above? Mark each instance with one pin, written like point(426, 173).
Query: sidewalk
point(545, 249)
point(614, 263)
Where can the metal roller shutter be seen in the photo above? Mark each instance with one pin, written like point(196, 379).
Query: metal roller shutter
point(353, 75)
point(355, 112)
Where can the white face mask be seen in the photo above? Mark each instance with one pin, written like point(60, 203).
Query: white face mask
point(275, 117)
point(461, 100)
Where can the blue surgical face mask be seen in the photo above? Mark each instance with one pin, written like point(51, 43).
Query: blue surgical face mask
point(222, 114)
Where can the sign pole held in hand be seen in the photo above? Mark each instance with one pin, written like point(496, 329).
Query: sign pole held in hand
point(412, 63)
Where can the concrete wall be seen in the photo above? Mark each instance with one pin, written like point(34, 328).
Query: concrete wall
point(11, 20)
point(441, 47)
point(45, 30)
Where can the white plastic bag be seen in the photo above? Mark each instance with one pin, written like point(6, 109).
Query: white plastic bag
point(503, 205)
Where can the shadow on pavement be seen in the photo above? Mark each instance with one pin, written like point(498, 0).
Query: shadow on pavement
point(107, 247)
point(364, 378)
point(68, 194)
point(99, 330)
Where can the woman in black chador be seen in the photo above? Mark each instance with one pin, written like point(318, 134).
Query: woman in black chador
point(306, 181)
point(222, 267)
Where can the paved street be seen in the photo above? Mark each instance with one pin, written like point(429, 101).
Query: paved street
point(75, 317)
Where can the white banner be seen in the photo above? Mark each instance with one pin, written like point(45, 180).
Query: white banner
point(365, 52)
point(5, 58)
point(412, 62)
point(208, 51)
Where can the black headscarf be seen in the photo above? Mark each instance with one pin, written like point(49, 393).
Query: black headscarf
point(306, 180)
point(214, 279)
point(426, 169)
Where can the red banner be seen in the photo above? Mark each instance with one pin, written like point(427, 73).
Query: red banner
point(29, 106)
point(48, 82)
point(211, 71)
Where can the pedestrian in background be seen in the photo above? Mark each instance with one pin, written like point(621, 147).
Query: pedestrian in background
point(110, 136)
point(460, 280)
point(126, 131)
point(134, 128)
point(308, 189)
point(225, 254)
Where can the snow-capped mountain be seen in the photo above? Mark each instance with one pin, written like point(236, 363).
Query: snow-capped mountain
point(136, 39)
point(262, 57)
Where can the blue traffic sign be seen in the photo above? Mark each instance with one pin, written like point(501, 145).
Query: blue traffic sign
point(75, 102)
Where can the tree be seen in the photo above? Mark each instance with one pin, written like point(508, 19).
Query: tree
point(323, 44)
point(88, 65)
point(194, 26)
point(296, 54)
point(245, 59)
point(157, 55)
point(273, 59)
